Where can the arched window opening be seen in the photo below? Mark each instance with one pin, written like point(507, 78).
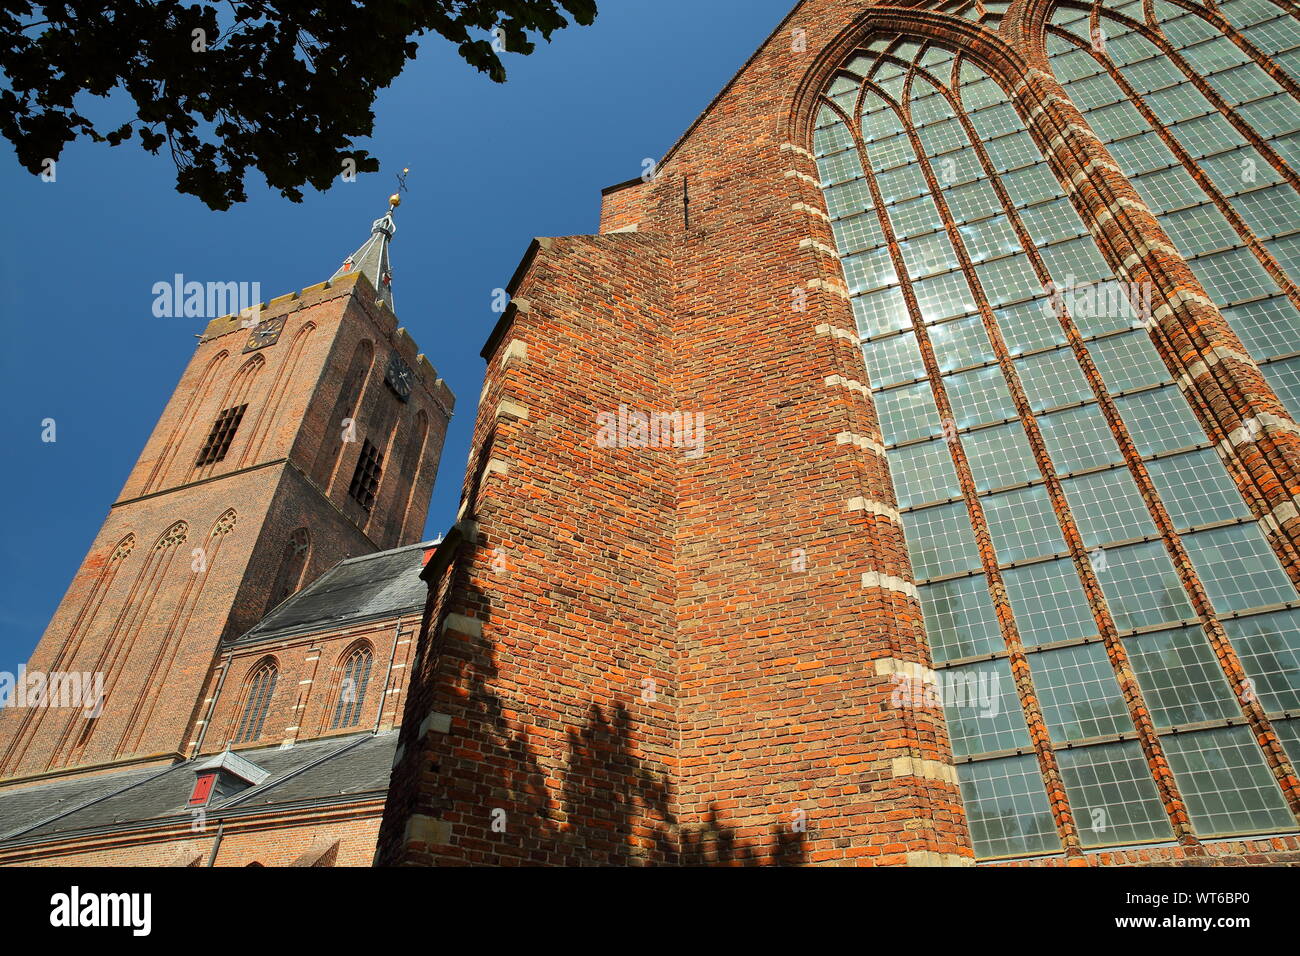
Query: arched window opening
point(1209, 139)
point(342, 427)
point(234, 404)
point(293, 565)
point(257, 702)
point(1023, 403)
point(352, 687)
point(416, 441)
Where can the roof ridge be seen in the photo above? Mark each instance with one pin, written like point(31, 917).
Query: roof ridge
point(376, 554)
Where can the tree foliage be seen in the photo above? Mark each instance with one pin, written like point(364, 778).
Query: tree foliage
point(280, 85)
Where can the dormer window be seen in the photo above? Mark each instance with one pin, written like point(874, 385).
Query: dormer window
point(223, 776)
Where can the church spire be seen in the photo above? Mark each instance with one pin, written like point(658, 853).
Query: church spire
point(372, 257)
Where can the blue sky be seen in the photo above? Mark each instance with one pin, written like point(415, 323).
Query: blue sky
point(491, 167)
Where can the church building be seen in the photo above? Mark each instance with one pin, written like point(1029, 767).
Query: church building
point(907, 473)
point(250, 605)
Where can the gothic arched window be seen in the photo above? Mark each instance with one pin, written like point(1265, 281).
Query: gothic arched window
point(1047, 466)
point(233, 406)
point(352, 687)
point(257, 701)
point(293, 563)
point(342, 427)
point(1209, 140)
point(415, 441)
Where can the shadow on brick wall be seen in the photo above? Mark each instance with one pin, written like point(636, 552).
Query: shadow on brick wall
point(605, 803)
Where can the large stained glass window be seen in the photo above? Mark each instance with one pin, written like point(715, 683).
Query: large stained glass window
point(1211, 142)
point(1010, 371)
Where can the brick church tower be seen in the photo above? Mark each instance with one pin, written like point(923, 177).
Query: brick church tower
point(302, 433)
point(907, 474)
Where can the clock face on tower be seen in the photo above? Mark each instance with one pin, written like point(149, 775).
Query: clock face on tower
point(399, 377)
point(265, 333)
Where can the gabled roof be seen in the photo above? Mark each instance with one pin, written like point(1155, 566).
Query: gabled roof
point(370, 587)
point(231, 763)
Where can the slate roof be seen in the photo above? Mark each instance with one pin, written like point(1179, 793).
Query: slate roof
point(329, 770)
point(369, 587)
point(314, 772)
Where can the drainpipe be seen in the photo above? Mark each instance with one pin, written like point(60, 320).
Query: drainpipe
point(216, 843)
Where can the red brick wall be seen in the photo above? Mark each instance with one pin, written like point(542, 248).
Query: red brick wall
point(287, 839)
point(150, 626)
point(796, 606)
point(620, 206)
point(555, 669)
point(791, 607)
point(307, 688)
point(792, 603)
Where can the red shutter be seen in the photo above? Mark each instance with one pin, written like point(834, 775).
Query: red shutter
point(202, 789)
